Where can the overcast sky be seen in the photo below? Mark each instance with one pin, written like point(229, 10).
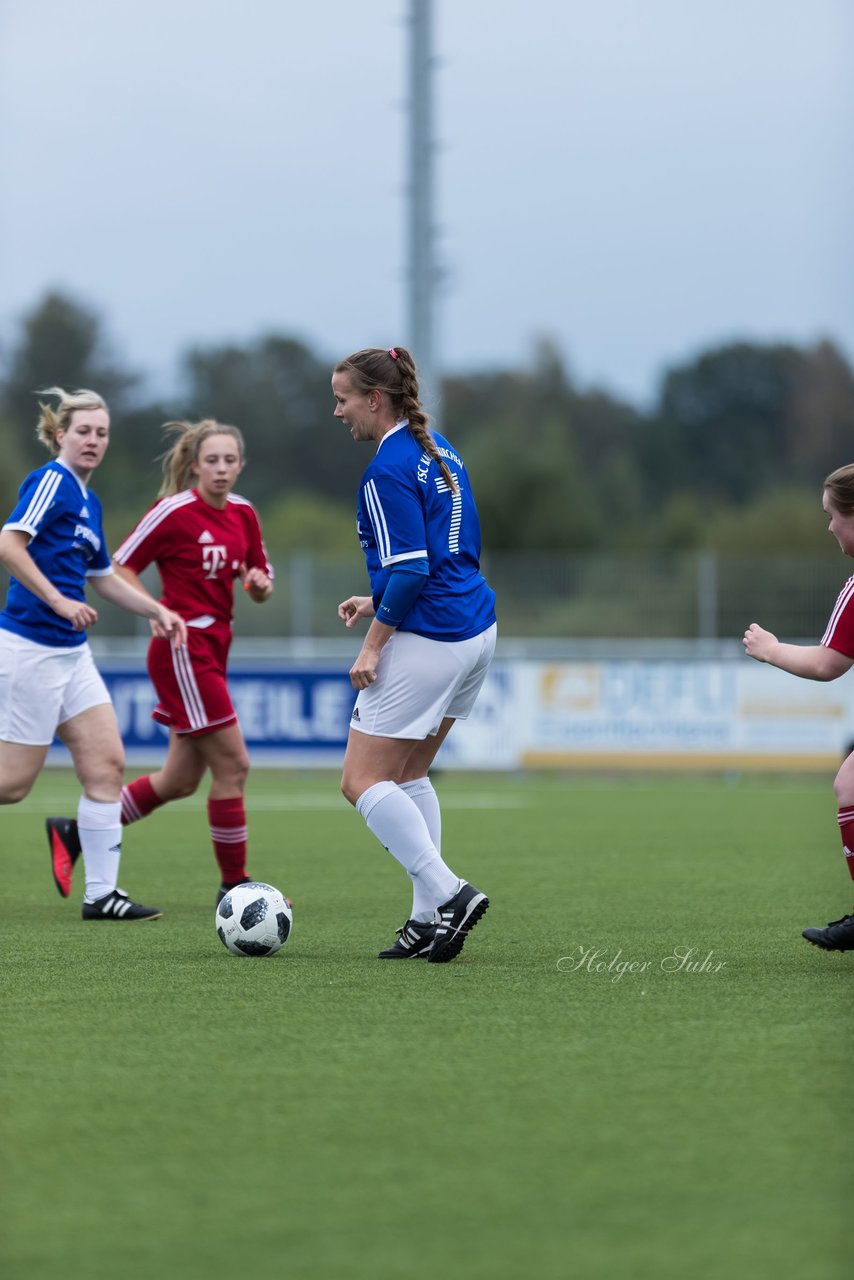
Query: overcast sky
point(634, 179)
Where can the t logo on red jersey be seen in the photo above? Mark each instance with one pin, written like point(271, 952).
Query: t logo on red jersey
point(213, 558)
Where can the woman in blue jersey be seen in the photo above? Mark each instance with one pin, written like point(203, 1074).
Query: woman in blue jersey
point(52, 544)
point(428, 646)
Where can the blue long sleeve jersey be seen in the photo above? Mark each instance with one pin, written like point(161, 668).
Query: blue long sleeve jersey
point(409, 517)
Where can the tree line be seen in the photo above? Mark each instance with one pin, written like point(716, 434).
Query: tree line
point(729, 457)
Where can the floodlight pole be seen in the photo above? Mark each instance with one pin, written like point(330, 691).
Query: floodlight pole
point(422, 273)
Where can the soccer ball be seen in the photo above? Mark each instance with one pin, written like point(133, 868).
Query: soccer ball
point(254, 919)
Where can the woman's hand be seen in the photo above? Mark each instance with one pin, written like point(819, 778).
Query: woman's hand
point(80, 614)
point(167, 625)
point(354, 608)
point(364, 670)
point(758, 643)
point(257, 584)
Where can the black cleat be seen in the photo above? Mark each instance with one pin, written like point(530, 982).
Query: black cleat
point(413, 939)
point(226, 888)
point(118, 906)
point(837, 936)
point(456, 917)
point(64, 841)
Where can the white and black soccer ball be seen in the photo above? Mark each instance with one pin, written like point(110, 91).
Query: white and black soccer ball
point(254, 919)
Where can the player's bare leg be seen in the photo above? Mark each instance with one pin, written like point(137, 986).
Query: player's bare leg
point(370, 759)
point(182, 770)
point(423, 753)
point(20, 765)
point(225, 754)
point(97, 752)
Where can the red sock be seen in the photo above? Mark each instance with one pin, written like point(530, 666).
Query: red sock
point(845, 818)
point(138, 800)
point(227, 820)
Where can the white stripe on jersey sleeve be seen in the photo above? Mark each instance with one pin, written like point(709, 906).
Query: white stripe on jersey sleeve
point(39, 503)
point(377, 519)
point(150, 521)
point(844, 599)
point(405, 555)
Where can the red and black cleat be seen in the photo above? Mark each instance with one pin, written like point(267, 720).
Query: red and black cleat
point(64, 842)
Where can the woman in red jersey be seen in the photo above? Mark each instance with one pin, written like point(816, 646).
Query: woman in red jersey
point(201, 536)
point(831, 658)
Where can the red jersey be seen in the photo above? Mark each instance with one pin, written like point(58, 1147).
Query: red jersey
point(840, 629)
point(199, 551)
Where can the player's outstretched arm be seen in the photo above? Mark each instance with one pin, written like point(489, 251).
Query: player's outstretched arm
point(16, 558)
point(810, 661)
point(116, 588)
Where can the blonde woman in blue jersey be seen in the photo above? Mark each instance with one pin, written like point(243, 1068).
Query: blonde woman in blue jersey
point(53, 544)
point(429, 643)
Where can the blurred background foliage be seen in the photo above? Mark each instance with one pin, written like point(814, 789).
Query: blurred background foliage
point(729, 458)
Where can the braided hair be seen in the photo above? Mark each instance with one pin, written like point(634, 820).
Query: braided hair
point(393, 371)
point(178, 461)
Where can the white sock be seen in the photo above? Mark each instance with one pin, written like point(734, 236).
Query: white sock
point(399, 825)
point(100, 827)
point(432, 884)
point(423, 903)
point(420, 790)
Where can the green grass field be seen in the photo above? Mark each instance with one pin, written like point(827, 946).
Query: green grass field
point(172, 1111)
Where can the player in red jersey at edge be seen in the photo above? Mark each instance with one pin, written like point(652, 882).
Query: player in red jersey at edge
point(201, 536)
point(832, 657)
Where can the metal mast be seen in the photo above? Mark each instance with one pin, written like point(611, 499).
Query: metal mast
point(422, 272)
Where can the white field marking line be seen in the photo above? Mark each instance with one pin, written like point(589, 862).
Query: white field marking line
point(280, 804)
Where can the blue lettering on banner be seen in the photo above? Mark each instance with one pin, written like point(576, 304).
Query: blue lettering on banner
point(278, 710)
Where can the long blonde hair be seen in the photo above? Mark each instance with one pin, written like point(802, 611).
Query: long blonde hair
point(393, 371)
point(178, 461)
point(58, 418)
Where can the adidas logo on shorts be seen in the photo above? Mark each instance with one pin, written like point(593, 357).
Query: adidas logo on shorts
point(355, 715)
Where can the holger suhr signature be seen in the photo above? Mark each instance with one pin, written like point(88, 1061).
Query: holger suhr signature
point(679, 960)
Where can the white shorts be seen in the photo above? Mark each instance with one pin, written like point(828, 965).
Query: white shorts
point(41, 687)
point(420, 682)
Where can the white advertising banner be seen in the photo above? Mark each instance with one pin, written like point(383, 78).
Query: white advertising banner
point(658, 714)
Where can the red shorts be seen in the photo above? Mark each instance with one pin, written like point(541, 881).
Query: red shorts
point(192, 692)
